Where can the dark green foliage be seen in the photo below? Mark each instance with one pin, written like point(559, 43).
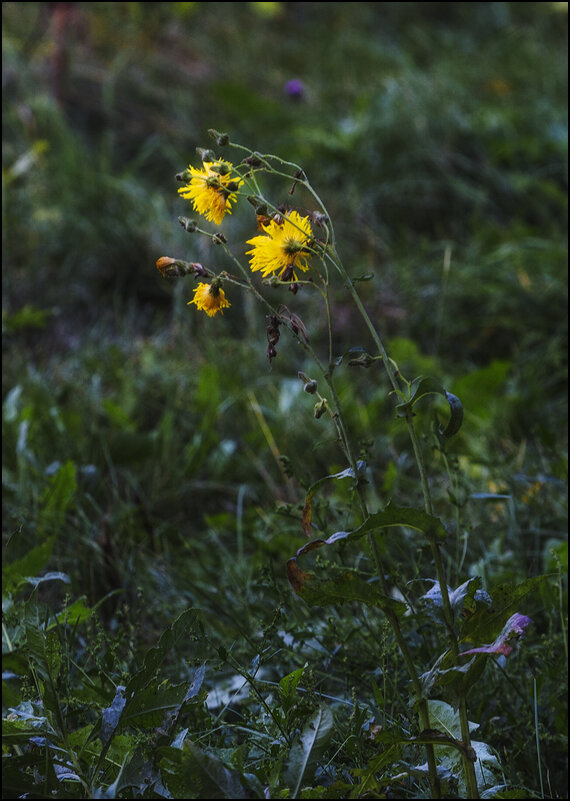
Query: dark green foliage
point(158, 473)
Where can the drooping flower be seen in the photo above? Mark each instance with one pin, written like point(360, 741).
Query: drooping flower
point(513, 629)
point(210, 298)
point(283, 248)
point(212, 189)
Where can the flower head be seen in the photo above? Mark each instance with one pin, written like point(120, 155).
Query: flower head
point(295, 89)
point(210, 298)
point(283, 248)
point(212, 189)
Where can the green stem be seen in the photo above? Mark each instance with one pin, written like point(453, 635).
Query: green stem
point(468, 765)
point(423, 709)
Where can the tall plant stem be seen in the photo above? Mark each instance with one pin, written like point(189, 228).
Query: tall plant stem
point(468, 766)
point(423, 710)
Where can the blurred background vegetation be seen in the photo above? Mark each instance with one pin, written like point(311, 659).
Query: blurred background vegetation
point(135, 430)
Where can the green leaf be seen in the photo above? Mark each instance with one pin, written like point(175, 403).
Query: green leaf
point(11, 405)
point(180, 630)
point(481, 389)
point(15, 574)
point(464, 599)
point(74, 614)
point(392, 515)
point(308, 750)
point(147, 707)
point(347, 586)
point(111, 716)
point(137, 772)
point(307, 510)
point(18, 730)
point(444, 718)
point(425, 385)
point(487, 623)
point(191, 772)
point(288, 686)
point(53, 576)
point(57, 497)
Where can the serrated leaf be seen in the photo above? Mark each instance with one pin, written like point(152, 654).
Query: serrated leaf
point(308, 750)
point(288, 685)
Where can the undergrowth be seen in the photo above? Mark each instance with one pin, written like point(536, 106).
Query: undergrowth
point(155, 472)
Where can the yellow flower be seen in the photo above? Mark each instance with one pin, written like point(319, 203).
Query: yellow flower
point(212, 190)
point(210, 298)
point(283, 248)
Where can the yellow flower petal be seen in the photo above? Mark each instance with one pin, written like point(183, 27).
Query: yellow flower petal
point(208, 190)
point(283, 248)
point(210, 298)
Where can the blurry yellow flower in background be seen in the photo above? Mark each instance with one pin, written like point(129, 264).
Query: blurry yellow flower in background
point(210, 298)
point(283, 248)
point(212, 189)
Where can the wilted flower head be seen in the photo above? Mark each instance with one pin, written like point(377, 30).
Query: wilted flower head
point(212, 189)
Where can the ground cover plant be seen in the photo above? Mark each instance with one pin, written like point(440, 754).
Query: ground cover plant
point(305, 536)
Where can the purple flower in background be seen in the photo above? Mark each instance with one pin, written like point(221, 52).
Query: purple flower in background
point(295, 89)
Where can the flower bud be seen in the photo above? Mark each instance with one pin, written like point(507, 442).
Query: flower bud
point(163, 263)
point(206, 154)
point(221, 168)
point(272, 281)
point(219, 239)
point(254, 200)
point(184, 176)
point(310, 385)
point(199, 270)
point(319, 218)
point(188, 225)
point(253, 161)
point(221, 139)
point(174, 267)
